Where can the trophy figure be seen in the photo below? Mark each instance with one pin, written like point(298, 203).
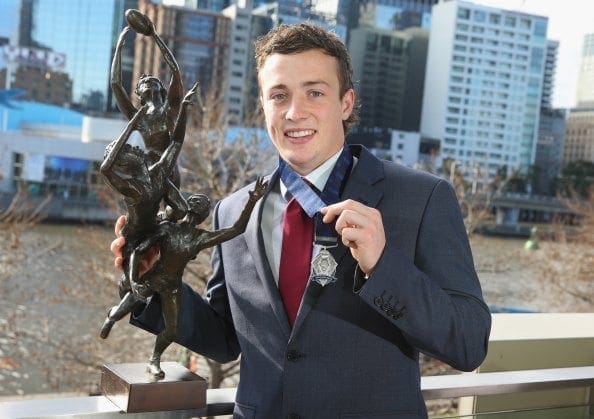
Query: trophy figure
point(157, 215)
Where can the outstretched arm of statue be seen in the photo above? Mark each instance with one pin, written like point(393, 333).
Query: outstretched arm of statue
point(169, 157)
point(212, 238)
point(176, 86)
point(123, 100)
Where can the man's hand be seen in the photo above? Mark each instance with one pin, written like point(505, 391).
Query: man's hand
point(361, 228)
point(149, 258)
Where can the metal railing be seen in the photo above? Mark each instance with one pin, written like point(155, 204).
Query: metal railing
point(221, 401)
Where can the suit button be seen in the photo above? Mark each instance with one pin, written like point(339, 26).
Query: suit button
point(293, 355)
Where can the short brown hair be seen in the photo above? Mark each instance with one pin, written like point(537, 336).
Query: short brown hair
point(293, 39)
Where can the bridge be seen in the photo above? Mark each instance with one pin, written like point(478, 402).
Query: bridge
point(512, 208)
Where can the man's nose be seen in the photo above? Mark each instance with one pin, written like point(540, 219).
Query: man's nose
point(297, 110)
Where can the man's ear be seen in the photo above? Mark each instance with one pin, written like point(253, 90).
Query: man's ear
point(348, 103)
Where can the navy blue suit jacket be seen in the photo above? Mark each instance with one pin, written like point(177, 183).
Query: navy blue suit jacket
point(353, 351)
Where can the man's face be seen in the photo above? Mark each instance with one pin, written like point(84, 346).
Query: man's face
point(303, 108)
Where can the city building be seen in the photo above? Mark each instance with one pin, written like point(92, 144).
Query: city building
point(49, 150)
point(40, 84)
point(549, 74)
point(549, 150)
point(579, 135)
point(9, 27)
point(291, 12)
point(483, 85)
point(585, 90)
point(389, 69)
point(83, 31)
point(404, 147)
point(198, 39)
point(548, 160)
point(239, 69)
point(386, 14)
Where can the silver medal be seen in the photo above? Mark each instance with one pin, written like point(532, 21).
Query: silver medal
point(323, 267)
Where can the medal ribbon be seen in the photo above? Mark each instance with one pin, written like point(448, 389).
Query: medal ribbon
point(311, 202)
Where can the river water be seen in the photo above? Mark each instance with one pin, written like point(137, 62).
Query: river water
point(56, 296)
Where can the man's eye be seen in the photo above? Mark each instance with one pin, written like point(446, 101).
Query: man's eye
point(278, 97)
point(316, 93)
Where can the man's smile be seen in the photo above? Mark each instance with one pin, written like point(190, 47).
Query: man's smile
point(299, 133)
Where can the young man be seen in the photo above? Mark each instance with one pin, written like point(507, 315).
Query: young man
point(404, 279)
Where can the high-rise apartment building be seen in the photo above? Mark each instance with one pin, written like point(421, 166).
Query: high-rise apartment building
point(239, 69)
point(585, 90)
point(483, 85)
point(389, 67)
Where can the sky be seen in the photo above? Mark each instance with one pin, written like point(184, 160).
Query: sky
point(569, 21)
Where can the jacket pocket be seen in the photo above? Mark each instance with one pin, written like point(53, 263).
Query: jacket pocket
point(243, 411)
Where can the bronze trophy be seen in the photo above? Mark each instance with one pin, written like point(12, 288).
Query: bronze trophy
point(157, 215)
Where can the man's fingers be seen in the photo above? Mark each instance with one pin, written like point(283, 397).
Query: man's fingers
point(116, 246)
point(118, 262)
point(119, 225)
point(350, 219)
point(332, 211)
point(360, 228)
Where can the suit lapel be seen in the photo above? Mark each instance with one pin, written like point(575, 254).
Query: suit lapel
point(365, 185)
point(255, 244)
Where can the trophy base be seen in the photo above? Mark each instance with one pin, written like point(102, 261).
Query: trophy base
point(134, 390)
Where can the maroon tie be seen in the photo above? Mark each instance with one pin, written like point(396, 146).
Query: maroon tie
point(295, 257)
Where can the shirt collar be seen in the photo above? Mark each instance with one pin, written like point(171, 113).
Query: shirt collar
point(319, 176)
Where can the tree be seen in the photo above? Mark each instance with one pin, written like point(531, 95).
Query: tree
point(578, 177)
point(217, 165)
point(472, 191)
point(565, 259)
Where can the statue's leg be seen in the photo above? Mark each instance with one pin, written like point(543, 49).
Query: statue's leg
point(126, 305)
point(170, 304)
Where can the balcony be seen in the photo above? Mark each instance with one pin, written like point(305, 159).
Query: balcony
point(538, 366)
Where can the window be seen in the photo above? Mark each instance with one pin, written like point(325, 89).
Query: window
point(17, 166)
point(463, 13)
point(479, 16)
point(510, 21)
point(494, 19)
point(540, 29)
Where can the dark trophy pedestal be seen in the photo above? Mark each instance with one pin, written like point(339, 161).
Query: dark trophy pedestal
point(133, 390)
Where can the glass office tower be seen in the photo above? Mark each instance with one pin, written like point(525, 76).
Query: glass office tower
point(83, 31)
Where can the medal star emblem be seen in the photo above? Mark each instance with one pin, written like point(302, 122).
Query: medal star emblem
point(323, 268)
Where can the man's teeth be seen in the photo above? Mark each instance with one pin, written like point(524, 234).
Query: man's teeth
point(303, 133)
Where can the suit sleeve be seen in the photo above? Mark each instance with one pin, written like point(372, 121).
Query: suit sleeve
point(205, 324)
point(436, 302)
